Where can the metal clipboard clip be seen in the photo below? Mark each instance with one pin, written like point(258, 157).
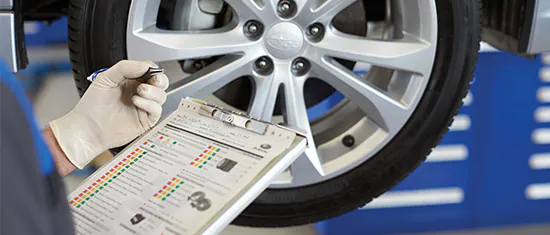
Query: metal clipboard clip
point(231, 117)
point(238, 119)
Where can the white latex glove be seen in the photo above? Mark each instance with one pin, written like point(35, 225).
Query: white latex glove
point(112, 112)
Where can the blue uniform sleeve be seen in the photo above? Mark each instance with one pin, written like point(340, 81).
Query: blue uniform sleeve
point(32, 193)
point(10, 83)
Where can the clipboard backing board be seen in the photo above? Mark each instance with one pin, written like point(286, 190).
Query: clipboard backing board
point(193, 173)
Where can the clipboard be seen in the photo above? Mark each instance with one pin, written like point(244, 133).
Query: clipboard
point(193, 173)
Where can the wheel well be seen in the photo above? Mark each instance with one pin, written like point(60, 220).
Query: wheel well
point(507, 24)
point(44, 9)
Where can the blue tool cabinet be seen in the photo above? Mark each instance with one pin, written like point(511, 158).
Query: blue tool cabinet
point(38, 33)
point(490, 169)
point(43, 39)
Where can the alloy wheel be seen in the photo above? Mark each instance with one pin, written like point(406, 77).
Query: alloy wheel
point(280, 45)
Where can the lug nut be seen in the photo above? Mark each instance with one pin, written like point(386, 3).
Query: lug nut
point(253, 29)
point(316, 32)
point(263, 65)
point(286, 8)
point(300, 66)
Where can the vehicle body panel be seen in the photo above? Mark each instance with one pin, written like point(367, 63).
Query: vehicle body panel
point(7, 38)
point(539, 40)
point(6, 4)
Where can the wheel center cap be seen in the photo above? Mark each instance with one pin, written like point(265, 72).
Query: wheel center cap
point(284, 40)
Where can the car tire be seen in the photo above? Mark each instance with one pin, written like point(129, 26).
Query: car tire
point(97, 33)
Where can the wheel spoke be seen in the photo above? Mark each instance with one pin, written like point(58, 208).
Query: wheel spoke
point(304, 169)
point(296, 115)
point(408, 54)
point(382, 109)
point(321, 11)
point(249, 9)
point(208, 80)
point(265, 96)
point(163, 45)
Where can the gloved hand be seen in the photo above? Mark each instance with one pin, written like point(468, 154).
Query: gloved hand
point(112, 112)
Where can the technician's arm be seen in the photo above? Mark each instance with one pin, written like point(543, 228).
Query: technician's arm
point(32, 194)
point(112, 112)
point(62, 163)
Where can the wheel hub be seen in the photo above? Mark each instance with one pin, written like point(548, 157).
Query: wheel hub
point(284, 40)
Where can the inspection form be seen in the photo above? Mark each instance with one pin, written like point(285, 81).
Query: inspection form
point(177, 177)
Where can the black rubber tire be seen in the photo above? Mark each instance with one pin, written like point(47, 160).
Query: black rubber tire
point(97, 31)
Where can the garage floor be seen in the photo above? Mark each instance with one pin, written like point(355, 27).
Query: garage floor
point(58, 95)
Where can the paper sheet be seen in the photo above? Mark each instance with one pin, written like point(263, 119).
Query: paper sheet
point(176, 177)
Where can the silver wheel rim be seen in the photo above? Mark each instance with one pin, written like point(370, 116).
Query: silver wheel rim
point(385, 109)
